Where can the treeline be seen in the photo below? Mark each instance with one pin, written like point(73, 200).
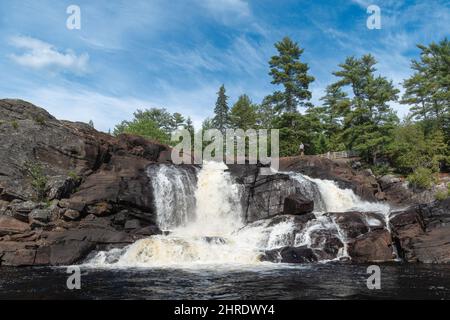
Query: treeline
point(355, 112)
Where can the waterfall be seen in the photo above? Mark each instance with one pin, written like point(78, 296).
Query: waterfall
point(203, 214)
point(207, 231)
point(174, 194)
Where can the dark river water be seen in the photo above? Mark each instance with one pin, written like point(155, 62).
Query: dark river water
point(318, 281)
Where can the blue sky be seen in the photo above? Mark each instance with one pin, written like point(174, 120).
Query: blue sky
point(175, 54)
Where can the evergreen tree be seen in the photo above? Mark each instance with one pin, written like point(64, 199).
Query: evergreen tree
point(221, 110)
point(287, 70)
point(428, 89)
point(265, 114)
point(243, 114)
point(91, 123)
point(178, 120)
point(368, 124)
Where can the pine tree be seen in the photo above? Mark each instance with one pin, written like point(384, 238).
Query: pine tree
point(287, 70)
point(243, 114)
point(91, 123)
point(221, 118)
point(428, 89)
point(369, 123)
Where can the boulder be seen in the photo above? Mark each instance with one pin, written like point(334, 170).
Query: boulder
point(289, 255)
point(10, 225)
point(71, 215)
point(297, 205)
point(421, 233)
point(374, 246)
point(61, 186)
point(69, 252)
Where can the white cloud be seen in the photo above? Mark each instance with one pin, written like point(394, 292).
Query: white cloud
point(227, 11)
point(40, 55)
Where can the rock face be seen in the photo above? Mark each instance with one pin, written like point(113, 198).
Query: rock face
point(422, 233)
point(396, 191)
point(90, 176)
point(297, 204)
point(66, 190)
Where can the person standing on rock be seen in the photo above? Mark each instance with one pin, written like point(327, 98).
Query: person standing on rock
point(302, 149)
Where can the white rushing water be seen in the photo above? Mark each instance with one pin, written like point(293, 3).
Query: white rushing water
point(203, 215)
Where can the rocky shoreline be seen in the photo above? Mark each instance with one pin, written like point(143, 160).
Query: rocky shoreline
point(67, 189)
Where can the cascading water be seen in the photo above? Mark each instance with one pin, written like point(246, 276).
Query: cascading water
point(209, 236)
point(335, 199)
point(174, 194)
point(203, 216)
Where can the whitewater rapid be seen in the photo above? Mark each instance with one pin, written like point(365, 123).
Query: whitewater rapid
point(202, 216)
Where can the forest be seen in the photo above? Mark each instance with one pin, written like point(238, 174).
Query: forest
point(355, 113)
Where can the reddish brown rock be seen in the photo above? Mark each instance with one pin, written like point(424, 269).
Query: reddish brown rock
point(10, 225)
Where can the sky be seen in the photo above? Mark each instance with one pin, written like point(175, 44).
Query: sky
point(175, 54)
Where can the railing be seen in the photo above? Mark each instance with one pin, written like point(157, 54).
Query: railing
point(339, 154)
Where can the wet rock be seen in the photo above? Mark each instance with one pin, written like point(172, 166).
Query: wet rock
point(297, 205)
point(214, 240)
point(290, 255)
point(363, 185)
point(69, 252)
point(147, 231)
point(374, 246)
point(19, 258)
point(421, 233)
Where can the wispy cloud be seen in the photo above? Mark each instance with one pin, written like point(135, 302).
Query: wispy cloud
point(227, 11)
point(40, 55)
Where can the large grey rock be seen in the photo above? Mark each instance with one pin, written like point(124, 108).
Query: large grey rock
point(297, 204)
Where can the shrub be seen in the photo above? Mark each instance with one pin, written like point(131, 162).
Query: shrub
point(74, 176)
point(381, 170)
point(442, 195)
point(15, 125)
point(422, 178)
point(38, 179)
point(40, 120)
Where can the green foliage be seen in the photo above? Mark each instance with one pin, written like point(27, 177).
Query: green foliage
point(411, 149)
point(74, 176)
point(368, 120)
point(15, 124)
point(221, 118)
point(243, 114)
point(443, 194)
point(428, 89)
point(40, 120)
point(421, 178)
point(38, 179)
point(155, 124)
point(287, 70)
point(381, 170)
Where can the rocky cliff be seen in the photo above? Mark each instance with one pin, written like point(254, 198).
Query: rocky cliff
point(67, 189)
